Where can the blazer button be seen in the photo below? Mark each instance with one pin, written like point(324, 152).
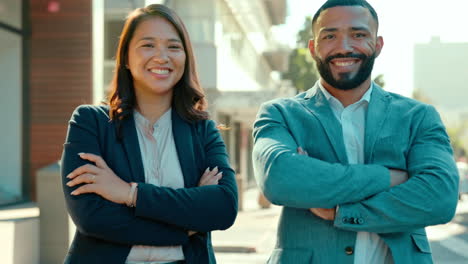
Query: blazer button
point(349, 250)
point(360, 221)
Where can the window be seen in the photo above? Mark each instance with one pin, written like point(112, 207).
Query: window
point(11, 106)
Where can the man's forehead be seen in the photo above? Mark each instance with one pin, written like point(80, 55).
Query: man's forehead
point(345, 17)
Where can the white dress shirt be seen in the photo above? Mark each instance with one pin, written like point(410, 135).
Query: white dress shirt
point(162, 168)
point(370, 248)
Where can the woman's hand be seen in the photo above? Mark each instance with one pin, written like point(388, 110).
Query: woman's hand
point(98, 179)
point(210, 177)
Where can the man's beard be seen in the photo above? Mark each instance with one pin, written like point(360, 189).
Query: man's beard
point(346, 82)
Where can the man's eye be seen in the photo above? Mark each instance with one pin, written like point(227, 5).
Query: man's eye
point(328, 36)
point(360, 35)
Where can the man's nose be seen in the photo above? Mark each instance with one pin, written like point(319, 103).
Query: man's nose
point(344, 45)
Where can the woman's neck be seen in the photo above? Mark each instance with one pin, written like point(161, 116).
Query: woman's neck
point(153, 107)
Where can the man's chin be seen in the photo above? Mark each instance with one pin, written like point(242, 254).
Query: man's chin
point(344, 76)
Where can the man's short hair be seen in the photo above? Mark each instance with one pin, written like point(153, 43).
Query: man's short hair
point(333, 3)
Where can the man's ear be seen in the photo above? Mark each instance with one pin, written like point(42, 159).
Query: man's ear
point(312, 47)
point(379, 45)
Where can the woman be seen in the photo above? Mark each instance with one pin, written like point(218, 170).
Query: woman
point(147, 177)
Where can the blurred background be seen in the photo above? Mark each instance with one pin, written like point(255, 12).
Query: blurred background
point(58, 54)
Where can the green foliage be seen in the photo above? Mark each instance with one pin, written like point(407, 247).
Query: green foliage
point(457, 136)
point(305, 34)
point(301, 70)
point(379, 80)
point(420, 96)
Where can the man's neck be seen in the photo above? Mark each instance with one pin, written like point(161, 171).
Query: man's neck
point(347, 97)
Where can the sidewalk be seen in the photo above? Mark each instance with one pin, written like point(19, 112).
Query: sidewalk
point(253, 234)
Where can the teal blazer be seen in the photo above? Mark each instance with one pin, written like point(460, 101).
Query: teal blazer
point(106, 231)
point(400, 133)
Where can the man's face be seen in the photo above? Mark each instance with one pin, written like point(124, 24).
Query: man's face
point(345, 46)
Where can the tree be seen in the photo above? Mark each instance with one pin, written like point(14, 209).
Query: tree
point(301, 70)
point(420, 96)
point(457, 132)
point(457, 135)
point(379, 80)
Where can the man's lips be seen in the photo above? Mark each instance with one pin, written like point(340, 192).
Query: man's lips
point(346, 58)
point(344, 62)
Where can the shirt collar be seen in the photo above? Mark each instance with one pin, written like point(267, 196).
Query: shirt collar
point(366, 97)
point(163, 121)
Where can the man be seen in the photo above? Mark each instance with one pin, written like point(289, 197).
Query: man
point(360, 172)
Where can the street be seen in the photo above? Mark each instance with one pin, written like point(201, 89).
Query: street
point(252, 237)
point(449, 242)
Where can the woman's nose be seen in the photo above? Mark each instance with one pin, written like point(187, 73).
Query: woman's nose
point(160, 55)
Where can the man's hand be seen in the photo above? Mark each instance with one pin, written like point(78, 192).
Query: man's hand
point(397, 177)
point(324, 213)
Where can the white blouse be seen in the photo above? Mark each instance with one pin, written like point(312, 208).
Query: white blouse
point(162, 168)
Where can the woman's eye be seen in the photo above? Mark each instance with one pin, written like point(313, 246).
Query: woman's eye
point(148, 45)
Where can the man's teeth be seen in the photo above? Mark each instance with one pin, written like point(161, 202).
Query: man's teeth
point(344, 64)
point(160, 71)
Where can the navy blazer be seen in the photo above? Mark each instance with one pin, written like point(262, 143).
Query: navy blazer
point(106, 231)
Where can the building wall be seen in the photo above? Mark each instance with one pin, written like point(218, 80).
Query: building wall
point(441, 73)
point(60, 74)
point(241, 66)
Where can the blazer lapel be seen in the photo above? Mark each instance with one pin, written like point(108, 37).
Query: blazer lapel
point(318, 105)
point(377, 112)
point(132, 149)
point(183, 139)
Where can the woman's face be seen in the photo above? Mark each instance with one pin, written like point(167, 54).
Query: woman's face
point(156, 57)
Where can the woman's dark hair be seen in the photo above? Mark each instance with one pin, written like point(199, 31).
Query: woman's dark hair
point(333, 3)
point(188, 96)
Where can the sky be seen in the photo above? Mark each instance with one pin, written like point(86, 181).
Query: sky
point(403, 23)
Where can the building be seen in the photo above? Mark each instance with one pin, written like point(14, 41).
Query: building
point(441, 73)
point(441, 78)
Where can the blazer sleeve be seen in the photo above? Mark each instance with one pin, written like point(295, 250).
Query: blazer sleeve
point(430, 195)
point(93, 215)
point(201, 209)
point(289, 179)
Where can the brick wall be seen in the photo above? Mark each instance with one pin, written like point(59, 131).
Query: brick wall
point(60, 74)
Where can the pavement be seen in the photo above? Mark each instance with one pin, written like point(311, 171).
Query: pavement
point(252, 237)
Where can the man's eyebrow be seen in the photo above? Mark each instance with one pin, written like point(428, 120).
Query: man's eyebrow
point(328, 30)
point(360, 29)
